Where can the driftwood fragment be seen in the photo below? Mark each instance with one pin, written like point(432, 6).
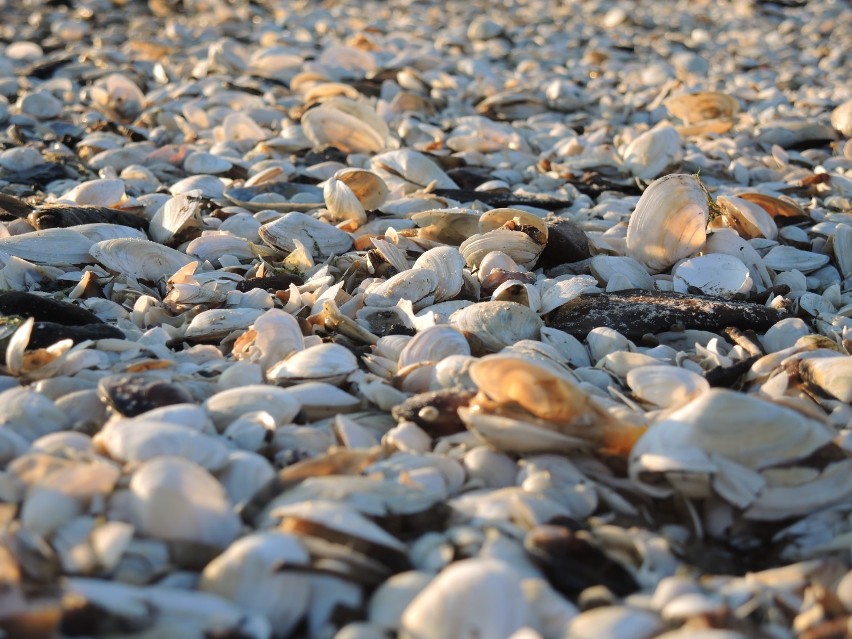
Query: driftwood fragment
point(45, 309)
point(51, 216)
point(636, 312)
point(498, 199)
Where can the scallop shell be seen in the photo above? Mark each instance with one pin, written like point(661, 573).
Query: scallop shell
point(141, 259)
point(669, 222)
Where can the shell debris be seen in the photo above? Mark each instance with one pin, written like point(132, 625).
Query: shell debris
point(355, 320)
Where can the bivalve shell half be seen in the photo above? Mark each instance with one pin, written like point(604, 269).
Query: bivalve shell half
point(321, 239)
point(713, 274)
point(50, 246)
point(330, 363)
point(141, 259)
point(490, 326)
point(669, 222)
point(447, 262)
point(519, 246)
point(747, 218)
point(415, 285)
point(648, 155)
point(788, 258)
point(351, 126)
point(841, 118)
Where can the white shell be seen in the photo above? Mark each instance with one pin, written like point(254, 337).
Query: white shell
point(494, 325)
point(226, 406)
point(220, 322)
point(253, 573)
point(443, 608)
point(179, 215)
point(50, 246)
point(448, 263)
point(321, 239)
point(353, 127)
point(666, 386)
point(713, 274)
point(669, 222)
point(174, 499)
point(141, 259)
point(415, 285)
point(788, 258)
point(648, 155)
point(841, 118)
point(322, 363)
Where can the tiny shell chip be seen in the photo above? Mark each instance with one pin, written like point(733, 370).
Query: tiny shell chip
point(713, 274)
point(175, 499)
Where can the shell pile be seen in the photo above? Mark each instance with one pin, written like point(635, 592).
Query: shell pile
point(354, 320)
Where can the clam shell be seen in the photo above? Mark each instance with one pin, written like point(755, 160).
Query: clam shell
point(648, 155)
point(141, 259)
point(351, 126)
point(832, 375)
point(414, 169)
point(669, 222)
point(713, 274)
point(788, 258)
point(175, 499)
point(748, 219)
point(51, 246)
point(447, 262)
point(330, 363)
point(277, 196)
point(228, 405)
point(416, 285)
point(841, 118)
point(666, 386)
point(176, 220)
point(218, 323)
point(491, 326)
point(518, 246)
point(321, 239)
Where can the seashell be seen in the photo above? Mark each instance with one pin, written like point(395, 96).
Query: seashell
point(321, 239)
point(611, 622)
point(442, 608)
point(841, 118)
point(342, 203)
point(605, 267)
point(178, 220)
point(276, 196)
point(140, 259)
point(330, 363)
point(175, 499)
point(448, 264)
point(138, 440)
point(648, 155)
point(414, 169)
point(728, 242)
point(116, 96)
point(319, 400)
point(520, 247)
point(273, 336)
point(775, 206)
point(217, 323)
point(666, 386)
point(240, 130)
point(351, 126)
point(253, 573)
point(207, 186)
point(51, 246)
point(713, 274)
point(228, 405)
point(788, 258)
point(842, 249)
point(369, 188)
point(200, 162)
point(701, 106)
point(212, 246)
point(29, 414)
point(520, 292)
point(433, 345)
point(103, 192)
point(789, 133)
point(832, 375)
point(490, 326)
point(416, 285)
point(748, 219)
point(100, 231)
point(669, 222)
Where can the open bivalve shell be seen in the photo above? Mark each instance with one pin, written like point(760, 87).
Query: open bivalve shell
point(669, 222)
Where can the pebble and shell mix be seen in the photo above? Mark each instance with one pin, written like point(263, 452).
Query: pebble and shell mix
point(426, 320)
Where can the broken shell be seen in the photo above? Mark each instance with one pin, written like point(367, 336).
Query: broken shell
point(669, 222)
point(321, 239)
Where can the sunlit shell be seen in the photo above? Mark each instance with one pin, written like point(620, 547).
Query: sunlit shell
point(142, 259)
point(320, 238)
point(648, 155)
point(669, 222)
point(350, 125)
point(491, 326)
